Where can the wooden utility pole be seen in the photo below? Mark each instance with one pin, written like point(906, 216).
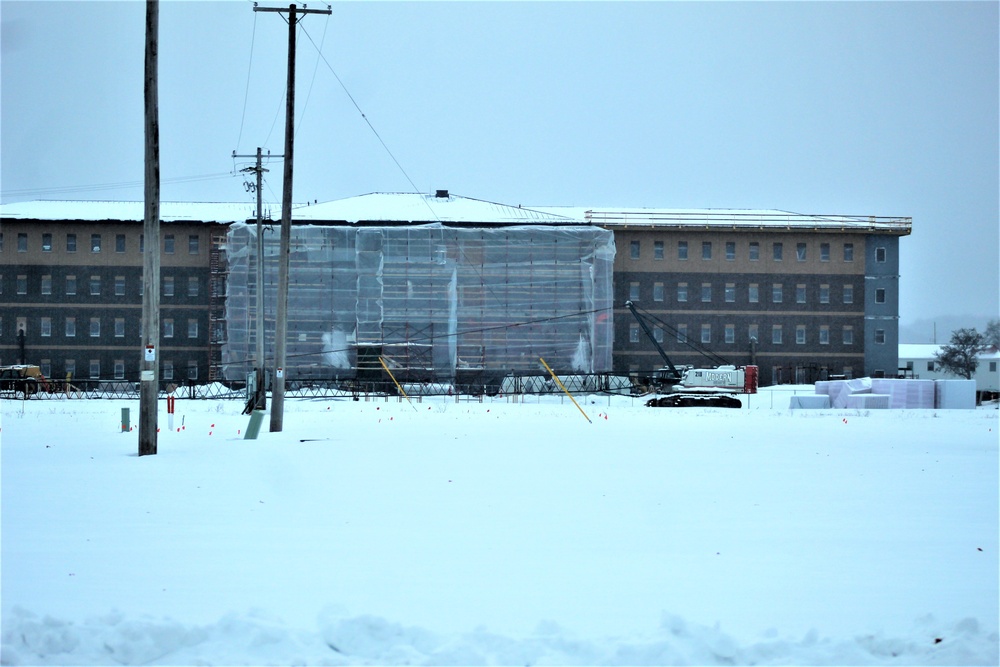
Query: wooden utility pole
point(260, 399)
point(284, 248)
point(150, 364)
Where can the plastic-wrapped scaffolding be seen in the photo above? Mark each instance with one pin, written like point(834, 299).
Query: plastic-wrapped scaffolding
point(436, 302)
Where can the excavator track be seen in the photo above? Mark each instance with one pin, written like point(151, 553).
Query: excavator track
point(694, 401)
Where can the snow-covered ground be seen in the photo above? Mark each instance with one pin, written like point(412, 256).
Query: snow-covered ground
point(448, 532)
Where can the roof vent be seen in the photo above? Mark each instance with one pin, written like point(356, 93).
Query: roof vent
point(441, 194)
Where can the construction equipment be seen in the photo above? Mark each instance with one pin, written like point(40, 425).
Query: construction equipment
point(23, 379)
point(694, 387)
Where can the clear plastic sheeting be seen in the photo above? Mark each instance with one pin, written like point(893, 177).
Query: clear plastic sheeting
point(433, 302)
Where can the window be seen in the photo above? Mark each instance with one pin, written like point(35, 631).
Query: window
point(682, 292)
point(119, 369)
point(70, 327)
point(930, 366)
point(633, 333)
point(706, 292)
point(192, 328)
point(1, 241)
point(993, 367)
point(168, 244)
point(22, 242)
point(730, 292)
point(168, 286)
point(46, 367)
point(658, 334)
point(800, 252)
point(168, 328)
point(848, 293)
point(70, 368)
point(119, 243)
point(848, 336)
point(800, 334)
point(95, 369)
point(633, 291)
point(71, 243)
point(824, 252)
point(776, 334)
point(880, 255)
point(800, 294)
point(879, 295)
point(658, 292)
point(22, 284)
point(682, 250)
point(192, 370)
point(168, 370)
point(119, 327)
point(730, 251)
point(776, 293)
point(142, 243)
point(754, 251)
point(119, 285)
point(193, 244)
point(753, 293)
point(95, 285)
point(824, 294)
point(193, 286)
point(46, 242)
point(657, 249)
point(848, 252)
point(95, 243)
point(95, 327)
point(682, 333)
point(880, 336)
point(730, 333)
point(824, 334)
point(70, 285)
point(706, 250)
point(46, 284)
point(634, 250)
point(46, 327)
point(777, 252)
point(706, 333)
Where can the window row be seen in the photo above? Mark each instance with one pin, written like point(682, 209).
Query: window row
point(97, 243)
point(706, 293)
point(778, 334)
point(70, 370)
point(93, 285)
point(73, 327)
point(684, 251)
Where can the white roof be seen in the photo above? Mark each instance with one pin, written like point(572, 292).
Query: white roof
point(128, 210)
point(927, 351)
point(417, 207)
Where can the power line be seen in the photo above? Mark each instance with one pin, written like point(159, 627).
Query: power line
point(246, 94)
point(356, 106)
point(121, 185)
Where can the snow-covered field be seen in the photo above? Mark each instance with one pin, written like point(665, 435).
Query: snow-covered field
point(448, 532)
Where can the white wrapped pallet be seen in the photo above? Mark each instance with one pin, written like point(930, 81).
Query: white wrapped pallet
point(840, 390)
point(955, 394)
point(823, 387)
point(906, 394)
point(809, 401)
point(868, 401)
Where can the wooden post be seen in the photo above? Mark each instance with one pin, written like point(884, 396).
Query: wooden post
point(150, 360)
point(284, 248)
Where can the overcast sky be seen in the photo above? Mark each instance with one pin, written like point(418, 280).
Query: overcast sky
point(887, 109)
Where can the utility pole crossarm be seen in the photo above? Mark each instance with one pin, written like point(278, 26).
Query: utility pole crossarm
point(298, 10)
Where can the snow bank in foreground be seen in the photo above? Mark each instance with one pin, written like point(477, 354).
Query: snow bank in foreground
point(340, 640)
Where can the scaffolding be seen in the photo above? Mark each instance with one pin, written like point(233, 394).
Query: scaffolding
point(436, 302)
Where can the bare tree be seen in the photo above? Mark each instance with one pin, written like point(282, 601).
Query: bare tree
point(960, 357)
point(992, 334)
